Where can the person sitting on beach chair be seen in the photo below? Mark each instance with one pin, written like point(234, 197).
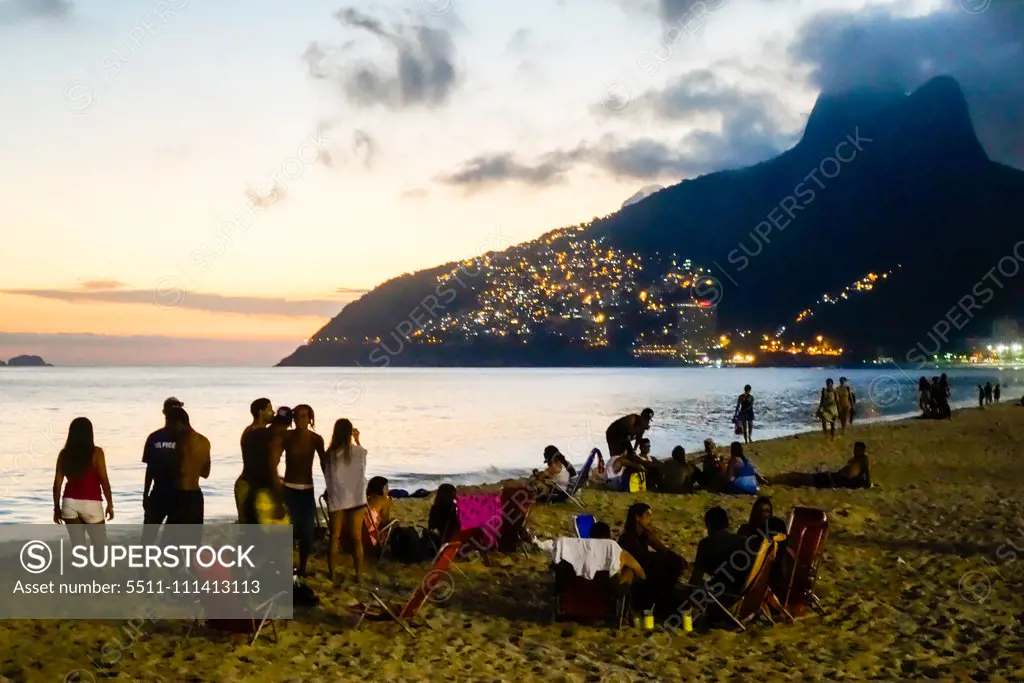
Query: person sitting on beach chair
point(378, 520)
point(443, 520)
point(552, 481)
point(856, 474)
point(720, 556)
point(763, 520)
point(661, 564)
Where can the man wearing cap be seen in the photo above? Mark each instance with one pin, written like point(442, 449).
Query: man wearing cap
point(160, 455)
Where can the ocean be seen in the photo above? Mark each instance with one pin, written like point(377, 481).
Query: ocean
point(422, 427)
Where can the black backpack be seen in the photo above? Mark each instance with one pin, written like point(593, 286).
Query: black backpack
point(408, 547)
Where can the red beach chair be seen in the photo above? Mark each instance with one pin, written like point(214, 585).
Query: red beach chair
point(253, 626)
point(516, 503)
point(431, 583)
point(794, 583)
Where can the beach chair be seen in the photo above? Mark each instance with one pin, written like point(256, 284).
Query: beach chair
point(516, 503)
point(582, 524)
point(375, 537)
point(253, 626)
point(577, 484)
point(797, 573)
point(580, 599)
point(480, 522)
point(404, 614)
point(753, 599)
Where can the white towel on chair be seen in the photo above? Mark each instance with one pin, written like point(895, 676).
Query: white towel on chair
point(588, 556)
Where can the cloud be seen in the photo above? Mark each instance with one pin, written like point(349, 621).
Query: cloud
point(181, 298)
point(264, 201)
point(14, 11)
point(350, 290)
point(364, 148)
point(101, 284)
point(747, 127)
point(415, 193)
point(984, 52)
point(520, 42)
point(423, 71)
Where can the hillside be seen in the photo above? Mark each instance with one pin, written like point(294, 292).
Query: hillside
point(879, 182)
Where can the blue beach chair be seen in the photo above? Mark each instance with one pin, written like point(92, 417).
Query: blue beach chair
point(583, 523)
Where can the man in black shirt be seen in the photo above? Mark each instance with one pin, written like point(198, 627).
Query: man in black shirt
point(162, 469)
point(724, 557)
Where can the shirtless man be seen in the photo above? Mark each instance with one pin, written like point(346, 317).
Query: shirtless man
point(194, 463)
point(621, 435)
point(263, 443)
point(262, 413)
point(300, 444)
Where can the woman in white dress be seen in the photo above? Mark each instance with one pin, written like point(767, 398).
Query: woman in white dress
point(345, 474)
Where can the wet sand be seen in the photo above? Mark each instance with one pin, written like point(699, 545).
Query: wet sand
point(919, 581)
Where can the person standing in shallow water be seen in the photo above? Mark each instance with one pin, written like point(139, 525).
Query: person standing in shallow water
point(745, 413)
point(828, 410)
point(844, 403)
point(988, 393)
point(996, 392)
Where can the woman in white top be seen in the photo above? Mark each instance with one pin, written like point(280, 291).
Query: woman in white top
point(345, 474)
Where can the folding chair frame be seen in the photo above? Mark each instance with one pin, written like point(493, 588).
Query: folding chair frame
point(793, 544)
point(764, 572)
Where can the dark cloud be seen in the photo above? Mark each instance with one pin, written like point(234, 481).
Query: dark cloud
point(639, 159)
point(423, 72)
point(751, 127)
point(984, 52)
point(685, 11)
point(13, 11)
point(215, 303)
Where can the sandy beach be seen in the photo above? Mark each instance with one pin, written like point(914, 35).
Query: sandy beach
point(919, 582)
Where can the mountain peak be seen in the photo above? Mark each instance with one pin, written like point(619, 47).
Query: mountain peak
point(934, 118)
point(835, 114)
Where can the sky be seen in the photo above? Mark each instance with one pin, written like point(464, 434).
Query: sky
point(208, 183)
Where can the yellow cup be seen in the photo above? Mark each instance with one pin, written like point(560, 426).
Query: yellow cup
point(649, 621)
point(687, 623)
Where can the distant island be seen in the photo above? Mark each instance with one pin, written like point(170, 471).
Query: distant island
point(885, 231)
point(26, 362)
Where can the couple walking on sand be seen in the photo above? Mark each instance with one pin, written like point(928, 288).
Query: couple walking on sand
point(836, 403)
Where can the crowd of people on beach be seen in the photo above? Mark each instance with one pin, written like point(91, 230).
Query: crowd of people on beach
point(358, 510)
